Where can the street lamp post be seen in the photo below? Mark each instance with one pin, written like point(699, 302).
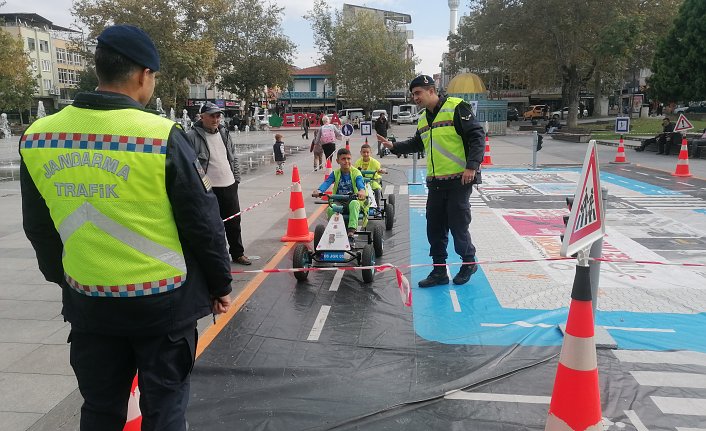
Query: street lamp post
point(325, 84)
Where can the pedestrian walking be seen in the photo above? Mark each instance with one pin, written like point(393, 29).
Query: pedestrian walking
point(305, 126)
point(216, 155)
point(123, 220)
point(455, 143)
point(381, 127)
point(326, 136)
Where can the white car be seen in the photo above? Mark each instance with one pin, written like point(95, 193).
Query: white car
point(565, 110)
point(405, 117)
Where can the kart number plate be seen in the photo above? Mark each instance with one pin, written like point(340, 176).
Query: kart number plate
point(333, 255)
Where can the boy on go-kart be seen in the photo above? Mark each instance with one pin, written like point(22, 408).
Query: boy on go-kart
point(368, 163)
point(346, 180)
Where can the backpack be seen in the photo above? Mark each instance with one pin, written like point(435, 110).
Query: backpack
point(328, 134)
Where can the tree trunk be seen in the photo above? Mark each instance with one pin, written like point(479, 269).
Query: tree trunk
point(597, 96)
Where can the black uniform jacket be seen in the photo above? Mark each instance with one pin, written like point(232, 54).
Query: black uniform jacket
point(201, 234)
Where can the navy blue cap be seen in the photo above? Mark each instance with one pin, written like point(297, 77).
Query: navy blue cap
point(209, 108)
point(421, 81)
point(132, 43)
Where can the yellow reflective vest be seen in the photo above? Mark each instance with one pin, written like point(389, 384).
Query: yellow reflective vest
point(355, 173)
point(446, 155)
point(102, 175)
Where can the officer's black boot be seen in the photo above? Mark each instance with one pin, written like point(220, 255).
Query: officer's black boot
point(436, 277)
point(464, 274)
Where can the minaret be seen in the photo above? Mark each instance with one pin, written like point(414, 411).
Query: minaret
point(453, 18)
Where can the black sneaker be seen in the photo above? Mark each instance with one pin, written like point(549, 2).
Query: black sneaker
point(437, 276)
point(464, 274)
point(351, 241)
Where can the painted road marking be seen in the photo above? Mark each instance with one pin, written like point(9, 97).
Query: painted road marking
point(651, 357)
point(690, 429)
point(336, 281)
point(681, 406)
point(404, 190)
point(454, 301)
point(319, 323)
point(520, 323)
point(642, 173)
point(504, 398)
point(677, 380)
point(686, 184)
point(622, 328)
point(662, 178)
point(639, 426)
point(389, 189)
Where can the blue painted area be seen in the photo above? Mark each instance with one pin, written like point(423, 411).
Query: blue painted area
point(436, 320)
point(700, 211)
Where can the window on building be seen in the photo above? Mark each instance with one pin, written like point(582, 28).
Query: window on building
point(30, 44)
point(197, 91)
point(44, 45)
point(47, 84)
point(67, 76)
point(46, 66)
point(61, 55)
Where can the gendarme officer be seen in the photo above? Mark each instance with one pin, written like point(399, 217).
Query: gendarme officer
point(122, 217)
point(454, 143)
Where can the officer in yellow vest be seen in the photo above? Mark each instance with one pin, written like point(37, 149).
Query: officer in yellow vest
point(121, 216)
point(454, 142)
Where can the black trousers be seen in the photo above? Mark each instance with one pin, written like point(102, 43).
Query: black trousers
point(329, 149)
point(105, 367)
point(449, 209)
point(229, 204)
point(305, 135)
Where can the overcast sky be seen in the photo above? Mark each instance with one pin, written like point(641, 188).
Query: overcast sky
point(430, 24)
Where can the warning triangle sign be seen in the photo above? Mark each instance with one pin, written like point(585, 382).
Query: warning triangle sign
point(586, 221)
point(682, 124)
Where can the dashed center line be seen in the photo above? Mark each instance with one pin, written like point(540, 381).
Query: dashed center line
point(336, 281)
point(454, 301)
point(319, 323)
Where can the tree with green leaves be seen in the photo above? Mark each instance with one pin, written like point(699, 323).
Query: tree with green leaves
point(366, 55)
point(17, 85)
point(253, 52)
point(680, 59)
point(182, 30)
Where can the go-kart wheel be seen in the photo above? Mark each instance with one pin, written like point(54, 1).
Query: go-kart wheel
point(368, 259)
point(318, 234)
point(389, 216)
point(378, 239)
point(301, 259)
point(391, 199)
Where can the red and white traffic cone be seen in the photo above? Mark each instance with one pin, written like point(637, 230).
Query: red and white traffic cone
point(576, 398)
point(297, 225)
point(620, 155)
point(682, 169)
point(327, 172)
point(348, 145)
point(487, 161)
point(134, 415)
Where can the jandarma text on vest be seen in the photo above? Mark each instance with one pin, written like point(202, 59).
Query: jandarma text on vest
point(86, 158)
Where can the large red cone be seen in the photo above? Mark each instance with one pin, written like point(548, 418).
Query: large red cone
point(134, 416)
point(682, 169)
point(576, 398)
point(297, 225)
point(487, 160)
point(620, 155)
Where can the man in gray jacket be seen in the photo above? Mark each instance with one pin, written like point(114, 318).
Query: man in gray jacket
point(216, 154)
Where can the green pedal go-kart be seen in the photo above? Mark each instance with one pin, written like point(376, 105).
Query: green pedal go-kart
point(331, 245)
point(385, 209)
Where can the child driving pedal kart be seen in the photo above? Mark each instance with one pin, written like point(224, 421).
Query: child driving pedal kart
point(346, 180)
point(368, 163)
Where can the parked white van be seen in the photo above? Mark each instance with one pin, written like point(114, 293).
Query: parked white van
point(351, 115)
point(376, 114)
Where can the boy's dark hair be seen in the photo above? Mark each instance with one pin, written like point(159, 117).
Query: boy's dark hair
point(342, 152)
point(112, 67)
point(364, 146)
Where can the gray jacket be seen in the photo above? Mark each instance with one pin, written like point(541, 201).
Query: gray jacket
point(197, 138)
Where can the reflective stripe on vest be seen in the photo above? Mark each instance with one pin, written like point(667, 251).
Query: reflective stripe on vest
point(355, 173)
point(104, 184)
point(446, 154)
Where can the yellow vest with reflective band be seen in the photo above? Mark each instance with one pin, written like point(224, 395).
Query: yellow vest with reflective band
point(102, 175)
point(373, 165)
point(355, 173)
point(444, 147)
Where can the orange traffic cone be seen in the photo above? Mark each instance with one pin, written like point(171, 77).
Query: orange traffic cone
point(134, 416)
point(576, 398)
point(487, 161)
point(620, 155)
point(328, 170)
point(297, 225)
point(682, 169)
point(348, 145)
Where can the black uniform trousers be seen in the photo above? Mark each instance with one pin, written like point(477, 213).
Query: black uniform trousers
point(449, 209)
point(229, 204)
point(105, 367)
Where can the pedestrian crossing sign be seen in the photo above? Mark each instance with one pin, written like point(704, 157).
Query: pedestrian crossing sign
point(586, 220)
point(682, 124)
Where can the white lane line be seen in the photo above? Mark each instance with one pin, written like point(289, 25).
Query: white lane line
point(503, 398)
point(686, 184)
point(641, 173)
point(623, 328)
point(454, 301)
point(652, 357)
point(681, 406)
point(639, 426)
point(665, 179)
point(521, 323)
point(336, 281)
point(404, 190)
point(319, 323)
point(675, 380)
point(389, 189)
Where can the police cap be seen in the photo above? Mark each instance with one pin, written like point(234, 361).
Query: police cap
point(132, 43)
point(421, 81)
